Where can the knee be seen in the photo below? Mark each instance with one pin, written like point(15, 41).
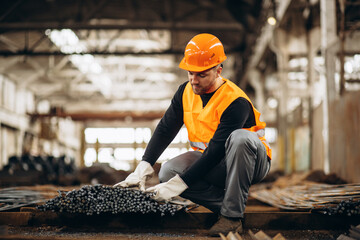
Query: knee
point(177, 165)
point(241, 138)
point(166, 172)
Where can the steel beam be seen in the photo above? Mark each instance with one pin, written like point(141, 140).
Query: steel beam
point(99, 53)
point(200, 26)
point(105, 116)
point(24, 52)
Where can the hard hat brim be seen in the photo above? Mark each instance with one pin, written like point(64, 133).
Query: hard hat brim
point(192, 68)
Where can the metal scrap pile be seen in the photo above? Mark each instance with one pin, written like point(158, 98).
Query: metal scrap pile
point(12, 198)
point(346, 208)
point(354, 234)
point(28, 170)
point(100, 199)
point(343, 199)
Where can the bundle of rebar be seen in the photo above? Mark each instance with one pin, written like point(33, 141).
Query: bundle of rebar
point(344, 208)
point(12, 198)
point(99, 199)
point(342, 199)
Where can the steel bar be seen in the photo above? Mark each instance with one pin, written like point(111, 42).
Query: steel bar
point(307, 197)
point(12, 198)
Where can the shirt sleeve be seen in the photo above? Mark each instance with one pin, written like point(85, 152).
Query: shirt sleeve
point(167, 128)
point(236, 116)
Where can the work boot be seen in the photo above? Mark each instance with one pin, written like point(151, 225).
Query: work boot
point(225, 225)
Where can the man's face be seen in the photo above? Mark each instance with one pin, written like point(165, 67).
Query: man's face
point(204, 82)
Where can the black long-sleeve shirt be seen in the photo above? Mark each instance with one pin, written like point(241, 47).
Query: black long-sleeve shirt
point(238, 115)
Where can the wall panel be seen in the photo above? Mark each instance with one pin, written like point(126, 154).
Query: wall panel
point(317, 153)
point(344, 135)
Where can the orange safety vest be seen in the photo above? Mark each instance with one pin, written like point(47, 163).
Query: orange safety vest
point(201, 123)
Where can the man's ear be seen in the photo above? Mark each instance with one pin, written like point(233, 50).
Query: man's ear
point(219, 70)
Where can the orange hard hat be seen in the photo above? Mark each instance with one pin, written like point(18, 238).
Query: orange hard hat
point(203, 52)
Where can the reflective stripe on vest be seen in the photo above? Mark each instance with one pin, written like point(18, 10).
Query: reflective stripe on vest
point(198, 145)
point(201, 146)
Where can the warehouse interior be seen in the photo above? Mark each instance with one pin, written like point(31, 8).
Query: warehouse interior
point(84, 83)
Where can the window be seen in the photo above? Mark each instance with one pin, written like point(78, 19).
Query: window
point(121, 148)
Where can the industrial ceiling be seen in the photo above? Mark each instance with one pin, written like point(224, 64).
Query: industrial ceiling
point(112, 56)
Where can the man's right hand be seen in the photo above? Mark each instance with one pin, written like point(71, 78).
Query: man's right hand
point(138, 178)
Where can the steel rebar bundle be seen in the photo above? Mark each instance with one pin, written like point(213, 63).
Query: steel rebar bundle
point(343, 199)
point(344, 208)
point(100, 199)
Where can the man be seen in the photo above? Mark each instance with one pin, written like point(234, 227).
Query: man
point(225, 131)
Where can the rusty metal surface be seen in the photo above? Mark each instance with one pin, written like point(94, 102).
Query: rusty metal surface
point(306, 197)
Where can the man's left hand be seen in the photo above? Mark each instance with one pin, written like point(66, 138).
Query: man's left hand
point(167, 190)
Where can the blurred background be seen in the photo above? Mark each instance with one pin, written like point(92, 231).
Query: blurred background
point(83, 83)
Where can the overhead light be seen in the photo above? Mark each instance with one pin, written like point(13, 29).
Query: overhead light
point(66, 40)
point(69, 43)
point(86, 63)
point(43, 106)
point(272, 102)
point(271, 21)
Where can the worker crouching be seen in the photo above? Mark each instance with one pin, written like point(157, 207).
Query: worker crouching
point(224, 128)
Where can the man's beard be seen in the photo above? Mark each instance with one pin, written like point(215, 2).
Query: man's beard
point(198, 90)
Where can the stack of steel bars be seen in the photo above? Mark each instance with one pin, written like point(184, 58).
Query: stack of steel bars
point(310, 196)
point(15, 197)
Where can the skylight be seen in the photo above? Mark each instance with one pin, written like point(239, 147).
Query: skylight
point(66, 40)
point(116, 76)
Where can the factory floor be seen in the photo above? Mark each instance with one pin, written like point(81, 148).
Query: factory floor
point(28, 223)
point(47, 232)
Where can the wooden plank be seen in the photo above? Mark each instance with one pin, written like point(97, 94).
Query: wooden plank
point(222, 236)
point(344, 237)
point(297, 221)
point(279, 236)
point(354, 232)
point(184, 220)
point(237, 235)
point(15, 218)
point(260, 235)
point(252, 235)
point(232, 236)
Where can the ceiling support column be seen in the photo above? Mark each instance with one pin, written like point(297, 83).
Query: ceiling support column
point(282, 56)
point(328, 51)
point(256, 81)
point(312, 42)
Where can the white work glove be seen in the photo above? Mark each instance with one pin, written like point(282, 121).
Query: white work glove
point(138, 178)
point(167, 190)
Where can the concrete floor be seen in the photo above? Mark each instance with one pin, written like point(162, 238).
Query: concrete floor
point(64, 233)
point(191, 225)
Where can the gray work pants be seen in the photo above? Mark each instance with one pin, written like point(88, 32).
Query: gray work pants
point(225, 188)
